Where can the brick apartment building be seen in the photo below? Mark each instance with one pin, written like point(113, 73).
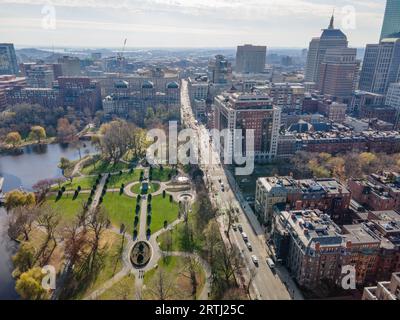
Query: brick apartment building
point(327, 195)
point(378, 192)
point(249, 112)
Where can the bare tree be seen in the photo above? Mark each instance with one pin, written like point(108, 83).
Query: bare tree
point(98, 224)
point(250, 280)
point(76, 239)
point(190, 272)
point(83, 216)
point(229, 262)
point(115, 140)
point(213, 240)
point(162, 286)
point(42, 187)
point(49, 219)
point(21, 221)
point(231, 217)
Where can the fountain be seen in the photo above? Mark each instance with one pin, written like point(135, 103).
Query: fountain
point(140, 254)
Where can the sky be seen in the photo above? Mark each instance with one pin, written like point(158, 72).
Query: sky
point(185, 23)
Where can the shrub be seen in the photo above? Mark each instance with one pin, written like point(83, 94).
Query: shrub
point(164, 194)
point(149, 220)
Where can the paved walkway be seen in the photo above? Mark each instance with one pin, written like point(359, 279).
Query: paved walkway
point(157, 253)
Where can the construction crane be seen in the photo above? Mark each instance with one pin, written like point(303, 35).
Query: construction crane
point(120, 58)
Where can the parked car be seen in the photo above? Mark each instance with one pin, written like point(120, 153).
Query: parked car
point(240, 228)
point(249, 246)
point(234, 227)
point(244, 236)
point(271, 263)
point(255, 260)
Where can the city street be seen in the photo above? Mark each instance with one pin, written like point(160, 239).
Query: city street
point(267, 284)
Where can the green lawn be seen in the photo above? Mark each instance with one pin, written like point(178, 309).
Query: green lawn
point(154, 187)
point(125, 178)
point(68, 207)
point(161, 175)
point(178, 240)
point(122, 290)
point(103, 166)
point(162, 209)
point(86, 183)
point(121, 209)
point(174, 268)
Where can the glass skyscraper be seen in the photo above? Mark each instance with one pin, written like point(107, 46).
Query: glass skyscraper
point(391, 22)
point(8, 59)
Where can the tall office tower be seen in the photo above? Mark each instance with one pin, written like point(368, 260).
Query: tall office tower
point(249, 112)
point(70, 66)
point(220, 70)
point(337, 73)
point(330, 38)
point(381, 65)
point(8, 59)
point(393, 100)
point(251, 59)
point(391, 22)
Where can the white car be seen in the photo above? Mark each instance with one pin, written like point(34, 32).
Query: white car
point(249, 246)
point(255, 260)
point(244, 236)
point(271, 263)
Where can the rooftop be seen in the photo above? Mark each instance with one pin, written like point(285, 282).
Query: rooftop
point(313, 229)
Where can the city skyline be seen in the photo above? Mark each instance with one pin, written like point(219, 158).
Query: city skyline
point(189, 23)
